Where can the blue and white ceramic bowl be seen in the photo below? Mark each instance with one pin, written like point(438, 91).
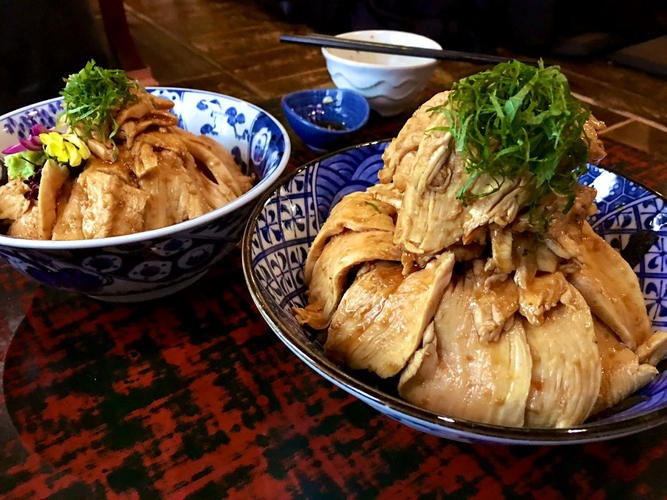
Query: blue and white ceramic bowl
point(286, 221)
point(155, 263)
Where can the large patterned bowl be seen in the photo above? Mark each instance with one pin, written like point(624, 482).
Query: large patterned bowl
point(285, 222)
point(156, 263)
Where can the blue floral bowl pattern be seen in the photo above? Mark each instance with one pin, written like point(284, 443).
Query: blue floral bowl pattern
point(286, 221)
point(156, 263)
point(325, 118)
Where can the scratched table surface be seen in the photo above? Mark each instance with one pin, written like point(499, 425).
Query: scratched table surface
point(194, 397)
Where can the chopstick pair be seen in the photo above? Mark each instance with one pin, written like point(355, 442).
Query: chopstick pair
point(402, 50)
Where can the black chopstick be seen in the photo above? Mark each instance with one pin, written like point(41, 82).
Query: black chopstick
point(402, 50)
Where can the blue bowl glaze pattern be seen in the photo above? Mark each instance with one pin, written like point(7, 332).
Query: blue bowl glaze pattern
point(309, 111)
point(286, 221)
point(156, 263)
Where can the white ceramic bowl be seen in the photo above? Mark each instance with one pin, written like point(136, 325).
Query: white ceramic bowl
point(390, 83)
point(159, 262)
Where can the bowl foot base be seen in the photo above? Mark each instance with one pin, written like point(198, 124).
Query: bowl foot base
point(150, 295)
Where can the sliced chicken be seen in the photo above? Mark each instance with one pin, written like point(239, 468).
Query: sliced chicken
point(566, 365)
point(495, 299)
point(432, 217)
point(13, 202)
point(340, 256)
point(173, 194)
point(358, 212)
point(381, 318)
point(399, 156)
point(70, 216)
point(37, 221)
point(564, 228)
point(611, 289)
point(27, 225)
point(622, 373)
point(654, 349)
point(224, 170)
point(54, 176)
point(156, 119)
point(113, 208)
point(541, 294)
point(596, 150)
point(501, 248)
point(387, 193)
point(455, 373)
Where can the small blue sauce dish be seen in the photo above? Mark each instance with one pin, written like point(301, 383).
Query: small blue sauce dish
point(325, 118)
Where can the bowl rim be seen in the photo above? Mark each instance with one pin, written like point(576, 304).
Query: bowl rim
point(167, 231)
point(289, 110)
point(420, 62)
point(449, 426)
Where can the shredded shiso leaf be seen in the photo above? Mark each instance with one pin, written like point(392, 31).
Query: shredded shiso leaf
point(515, 119)
point(91, 96)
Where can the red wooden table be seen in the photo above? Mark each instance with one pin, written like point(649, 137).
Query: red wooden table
point(193, 397)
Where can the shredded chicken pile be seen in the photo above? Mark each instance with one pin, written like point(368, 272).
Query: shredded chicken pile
point(482, 313)
point(154, 174)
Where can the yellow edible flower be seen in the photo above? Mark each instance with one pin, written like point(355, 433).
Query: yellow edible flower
point(66, 148)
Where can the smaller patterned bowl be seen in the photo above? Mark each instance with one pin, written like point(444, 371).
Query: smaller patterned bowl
point(325, 118)
point(286, 221)
point(390, 83)
point(159, 262)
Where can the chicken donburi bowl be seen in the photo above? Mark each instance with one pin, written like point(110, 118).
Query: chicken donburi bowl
point(139, 207)
point(470, 275)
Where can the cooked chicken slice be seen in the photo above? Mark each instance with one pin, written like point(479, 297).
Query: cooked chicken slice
point(387, 193)
point(27, 225)
point(141, 107)
point(566, 365)
point(501, 248)
point(173, 194)
point(596, 150)
point(381, 319)
point(224, 170)
point(36, 223)
point(103, 203)
point(105, 152)
point(400, 155)
point(459, 375)
point(113, 207)
point(13, 202)
point(144, 105)
point(545, 259)
point(622, 373)
point(341, 254)
point(611, 289)
point(501, 207)
point(145, 160)
point(564, 229)
point(161, 102)
point(54, 176)
point(130, 129)
point(495, 299)
point(432, 217)
point(654, 349)
point(540, 295)
point(70, 217)
point(160, 140)
point(219, 151)
point(216, 195)
point(358, 212)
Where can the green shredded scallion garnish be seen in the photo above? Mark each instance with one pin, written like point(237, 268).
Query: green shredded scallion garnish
point(515, 119)
point(92, 95)
point(373, 206)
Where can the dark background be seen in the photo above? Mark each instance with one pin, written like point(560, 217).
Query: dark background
point(532, 27)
